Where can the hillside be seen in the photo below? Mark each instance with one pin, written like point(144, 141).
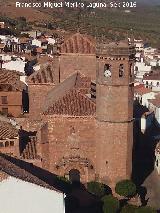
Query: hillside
point(114, 24)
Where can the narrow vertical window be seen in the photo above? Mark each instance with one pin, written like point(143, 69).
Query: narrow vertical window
point(121, 70)
point(146, 84)
point(107, 70)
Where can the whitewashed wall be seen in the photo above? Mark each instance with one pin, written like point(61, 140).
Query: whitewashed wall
point(17, 196)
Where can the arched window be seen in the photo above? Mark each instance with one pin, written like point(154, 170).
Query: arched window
point(107, 70)
point(6, 143)
point(121, 70)
point(11, 143)
point(151, 85)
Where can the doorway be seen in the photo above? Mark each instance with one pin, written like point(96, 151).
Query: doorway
point(74, 175)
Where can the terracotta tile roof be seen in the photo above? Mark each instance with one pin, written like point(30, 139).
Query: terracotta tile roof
point(13, 167)
point(69, 97)
point(154, 75)
point(39, 50)
point(7, 130)
point(30, 151)
point(78, 43)
point(11, 78)
point(23, 40)
point(73, 103)
point(2, 46)
point(141, 90)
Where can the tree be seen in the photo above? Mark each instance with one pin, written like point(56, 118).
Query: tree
point(145, 209)
point(129, 209)
point(126, 188)
point(110, 204)
point(96, 188)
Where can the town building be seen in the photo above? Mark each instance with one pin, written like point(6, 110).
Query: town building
point(11, 89)
point(23, 191)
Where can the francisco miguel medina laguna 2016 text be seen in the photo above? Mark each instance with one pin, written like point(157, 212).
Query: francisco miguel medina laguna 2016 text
point(112, 4)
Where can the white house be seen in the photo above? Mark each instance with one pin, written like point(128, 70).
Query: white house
point(36, 42)
point(152, 81)
point(17, 65)
point(21, 192)
point(149, 50)
point(139, 45)
point(142, 95)
point(140, 69)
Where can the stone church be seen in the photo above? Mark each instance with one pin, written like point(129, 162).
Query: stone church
point(81, 108)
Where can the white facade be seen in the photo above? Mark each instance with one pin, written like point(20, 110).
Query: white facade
point(139, 45)
point(144, 98)
point(140, 69)
point(51, 40)
point(153, 84)
point(149, 50)
point(32, 34)
point(17, 65)
point(36, 42)
point(18, 196)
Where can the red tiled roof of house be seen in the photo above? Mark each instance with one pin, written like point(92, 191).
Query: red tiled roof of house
point(2, 46)
point(154, 75)
point(23, 40)
point(7, 130)
point(14, 168)
point(141, 90)
point(39, 50)
point(11, 79)
point(74, 103)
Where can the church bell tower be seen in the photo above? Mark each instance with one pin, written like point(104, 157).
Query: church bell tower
point(114, 112)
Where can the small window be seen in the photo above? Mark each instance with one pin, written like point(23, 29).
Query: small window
point(5, 111)
point(11, 143)
point(1, 144)
point(6, 143)
point(121, 70)
point(157, 84)
point(107, 70)
point(146, 84)
point(4, 100)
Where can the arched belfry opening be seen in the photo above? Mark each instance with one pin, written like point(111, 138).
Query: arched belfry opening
point(107, 71)
point(121, 70)
point(74, 175)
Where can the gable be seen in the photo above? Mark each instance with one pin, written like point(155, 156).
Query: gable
point(78, 44)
